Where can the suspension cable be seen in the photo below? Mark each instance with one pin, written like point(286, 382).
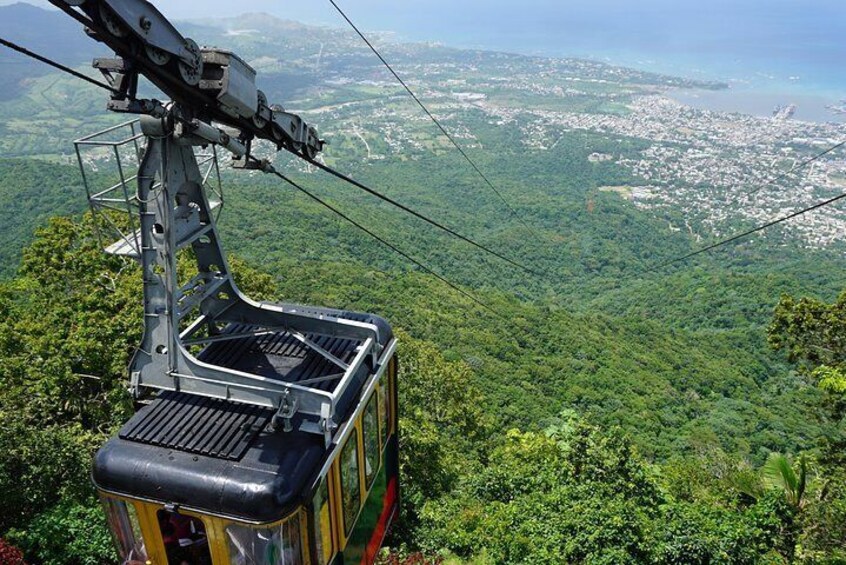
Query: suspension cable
point(395, 249)
point(54, 64)
point(319, 165)
point(796, 167)
point(416, 214)
point(337, 174)
point(435, 120)
point(752, 231)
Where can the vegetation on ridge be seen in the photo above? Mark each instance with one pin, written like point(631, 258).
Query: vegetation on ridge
point(476, 487)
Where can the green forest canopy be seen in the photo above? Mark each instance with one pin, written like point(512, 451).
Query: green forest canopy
point(628, 471)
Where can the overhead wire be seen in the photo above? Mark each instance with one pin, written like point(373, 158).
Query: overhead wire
point(321, 201)
point(772, 181)
point(329, 170)
point(752, 231)
point(435, 120)
point(54, 64)
point(796, 167)
point(346, 178)
point(337, 174)
point(385, 242)
point(416, 214)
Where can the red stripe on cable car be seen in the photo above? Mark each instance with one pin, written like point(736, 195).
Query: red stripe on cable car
point(389, 507)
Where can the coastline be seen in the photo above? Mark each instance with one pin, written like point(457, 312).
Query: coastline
point(756, 84)
point(751, 90)
point(810, 106)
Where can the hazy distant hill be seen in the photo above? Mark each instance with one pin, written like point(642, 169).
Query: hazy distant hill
point(46, 32)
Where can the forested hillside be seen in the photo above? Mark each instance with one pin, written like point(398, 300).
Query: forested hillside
point(28, 24)
point(495, 468)
point(31, 193)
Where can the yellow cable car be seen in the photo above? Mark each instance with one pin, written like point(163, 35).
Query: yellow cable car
point(273, 436)
point(191, 480)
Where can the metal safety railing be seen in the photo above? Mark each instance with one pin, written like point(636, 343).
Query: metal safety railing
point(106, 159)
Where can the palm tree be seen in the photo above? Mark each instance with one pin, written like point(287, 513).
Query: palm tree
point(779, 473)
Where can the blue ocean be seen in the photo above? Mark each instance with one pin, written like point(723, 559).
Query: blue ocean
point(770, 51)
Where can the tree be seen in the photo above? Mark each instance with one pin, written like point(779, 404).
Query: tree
point(572, 495)
point(72, 532)
point(779, 473)
point(813, 334)
point(441, 428)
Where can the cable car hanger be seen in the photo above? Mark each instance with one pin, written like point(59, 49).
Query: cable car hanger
point(214, 101)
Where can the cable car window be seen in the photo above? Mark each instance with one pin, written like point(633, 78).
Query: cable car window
point(383, 413)
point(184, 538)
point(350, 485)
point(277, 545)
point(123, 522)
point(370, 431)
point(322, 523)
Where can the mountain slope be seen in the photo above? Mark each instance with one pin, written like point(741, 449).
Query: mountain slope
point(47, 32)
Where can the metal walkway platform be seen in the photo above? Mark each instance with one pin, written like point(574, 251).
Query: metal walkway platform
point(205, 426)
point(282, 356)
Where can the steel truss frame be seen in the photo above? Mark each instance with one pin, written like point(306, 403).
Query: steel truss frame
point(172, 207)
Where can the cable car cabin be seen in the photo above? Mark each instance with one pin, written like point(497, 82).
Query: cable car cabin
point(200, 481)
point(273, 438)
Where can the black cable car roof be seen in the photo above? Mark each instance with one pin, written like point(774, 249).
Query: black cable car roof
point(262, 485)
point(223, 457)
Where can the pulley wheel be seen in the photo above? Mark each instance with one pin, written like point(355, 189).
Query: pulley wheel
point(276, 130)
point(259, 120)
point(111, 22)
point(157, 56)
point(191, 74)
point(308, 151)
